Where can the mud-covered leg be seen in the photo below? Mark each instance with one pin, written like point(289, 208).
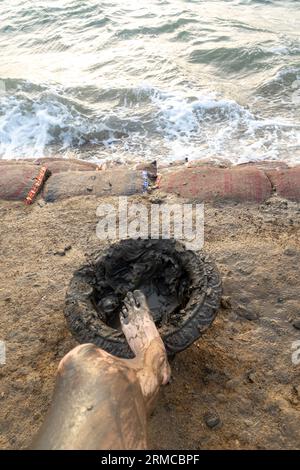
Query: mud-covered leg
point(97, 404)
point(101, 401)
point(151, 361)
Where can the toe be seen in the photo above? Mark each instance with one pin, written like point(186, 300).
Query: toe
point(140, 299)
point(124, 319)
point(129, 299)
point(127, 305)
point(124, 312)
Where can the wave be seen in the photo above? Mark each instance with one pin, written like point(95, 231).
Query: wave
point(210, 126)
point(139, 122)
point(257, 57)
point(35, 118)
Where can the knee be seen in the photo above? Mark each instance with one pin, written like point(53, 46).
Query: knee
point(77, 357)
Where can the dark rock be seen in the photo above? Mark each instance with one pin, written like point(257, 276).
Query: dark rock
point(247, 314)
point(225, 302)
point(283, 377)
point(296, 324)
point(251, 377)
point(296, 389)
point(290, 252)
point(212, 419)
point(60, 253)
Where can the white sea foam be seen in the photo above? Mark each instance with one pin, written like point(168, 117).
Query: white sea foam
point(171, 126)
point(208, 126)
point(29, 126)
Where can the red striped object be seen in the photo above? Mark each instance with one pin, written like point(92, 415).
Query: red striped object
point(39, 180)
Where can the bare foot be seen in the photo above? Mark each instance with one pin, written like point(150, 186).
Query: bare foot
point(145, 341)
point(137, 323)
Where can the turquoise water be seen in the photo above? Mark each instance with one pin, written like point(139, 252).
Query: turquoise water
point(132, 80)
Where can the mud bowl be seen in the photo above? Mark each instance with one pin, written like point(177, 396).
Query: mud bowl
point(183, 290)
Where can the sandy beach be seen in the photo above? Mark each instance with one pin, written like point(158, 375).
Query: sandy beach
point(235, 388)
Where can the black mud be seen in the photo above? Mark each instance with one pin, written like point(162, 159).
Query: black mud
point(183, 291)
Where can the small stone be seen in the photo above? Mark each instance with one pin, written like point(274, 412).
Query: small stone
point(225, 302)
point(212, 419)
point(251, 377)
point(60, 253)
point(68, 247)
point(283, 377)
point(248, 314)
point(221, 397)
point(290, 252)
point(156, 200)
point(296, 324)
point(233, 384)
point(245, 406)
point(297, 390)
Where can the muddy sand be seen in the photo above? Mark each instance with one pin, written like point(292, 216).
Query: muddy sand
point(235, 388)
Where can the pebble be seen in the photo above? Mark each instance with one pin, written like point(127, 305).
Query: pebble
point(225, 302)
point(221, 397)
point(245, 406)
point(212, 419)
point(290, 252)
point(283, 377)
point(60, 253)
point(251, 377)
point(297, 390)
point(63, 252)
point(233, 384)
point(296, 324)
point(248, 314)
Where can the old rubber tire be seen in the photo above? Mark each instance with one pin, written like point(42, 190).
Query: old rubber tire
point(197, 315)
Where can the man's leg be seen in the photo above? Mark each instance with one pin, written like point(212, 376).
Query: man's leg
point(100, 401)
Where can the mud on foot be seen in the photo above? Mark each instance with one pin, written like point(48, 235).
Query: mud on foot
point(143, 337)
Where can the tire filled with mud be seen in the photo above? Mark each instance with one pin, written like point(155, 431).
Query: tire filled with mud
point(183, 291)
